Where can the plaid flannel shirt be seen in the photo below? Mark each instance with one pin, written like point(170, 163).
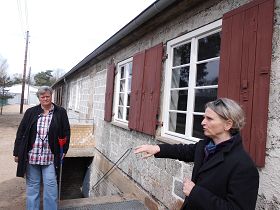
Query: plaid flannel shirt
point(41, 154)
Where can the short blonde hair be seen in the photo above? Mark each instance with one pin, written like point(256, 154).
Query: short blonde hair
point(229, 110)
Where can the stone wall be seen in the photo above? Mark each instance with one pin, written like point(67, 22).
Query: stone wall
point(82, 141)
point(269, 191)
point(83, 112)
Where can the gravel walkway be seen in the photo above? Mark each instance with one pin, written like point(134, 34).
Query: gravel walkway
point(12, 188)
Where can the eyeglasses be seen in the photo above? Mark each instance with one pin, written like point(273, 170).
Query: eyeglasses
point(220, 101)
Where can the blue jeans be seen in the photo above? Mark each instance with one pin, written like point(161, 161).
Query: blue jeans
point(33, 181)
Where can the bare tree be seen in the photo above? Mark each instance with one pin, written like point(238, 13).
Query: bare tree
point(57, 73)
point(17, 78)
point(3, 66)
point(5, 82)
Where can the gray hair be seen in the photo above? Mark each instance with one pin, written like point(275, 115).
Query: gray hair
point(43, 89)
point(229, 110)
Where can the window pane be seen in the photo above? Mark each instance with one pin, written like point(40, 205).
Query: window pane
point(180, 77)
point(122, 85)
point(122, 72)
point(197, 127)
point(207, 73)
point(130, 69)
point(177, 122)
point(129, 84)
point(181, 54)
point(179, 100)
point(123, 90)
point(202, 96)
point(128, 99)
point(127, 113)
point(121, 99)
point(209, 47)
point(120, 112)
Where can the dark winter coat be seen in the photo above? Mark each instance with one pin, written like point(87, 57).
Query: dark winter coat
point(229, 180)
point(27, 130)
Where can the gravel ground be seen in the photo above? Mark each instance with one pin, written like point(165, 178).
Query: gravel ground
point(12, 188)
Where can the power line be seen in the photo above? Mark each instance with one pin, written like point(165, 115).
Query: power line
point(26, 15)
point(20, 16)
point(23, 16)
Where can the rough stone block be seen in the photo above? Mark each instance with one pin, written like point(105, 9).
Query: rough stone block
point(178, 188)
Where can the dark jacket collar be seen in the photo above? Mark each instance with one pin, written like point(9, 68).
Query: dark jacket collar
point(219, 157)
point(40, 110)
point(236, 139)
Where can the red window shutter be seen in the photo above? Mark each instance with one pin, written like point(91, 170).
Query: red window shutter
point(145, 90)
point(136, 90)
point(245, 68)
point(262, 79)
point(151, 89)
point(109, 93)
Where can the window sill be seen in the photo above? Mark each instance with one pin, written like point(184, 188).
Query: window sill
point(168, 140)
point(120, 125)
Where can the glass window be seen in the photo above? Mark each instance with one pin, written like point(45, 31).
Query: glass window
point(191, 81)
point(178, 100)
point(177, 122)
point(180, 77)
point(197, 128)
point(207, 73)
point(202, 96)
point(123, 90)
point(182, 54)
point(209, 47)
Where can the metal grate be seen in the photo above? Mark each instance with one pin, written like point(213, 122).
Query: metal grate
point(127, 205)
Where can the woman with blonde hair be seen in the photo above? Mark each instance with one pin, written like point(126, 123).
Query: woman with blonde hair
point(224, 176)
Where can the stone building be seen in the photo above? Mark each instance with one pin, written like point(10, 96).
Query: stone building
point(148, 84)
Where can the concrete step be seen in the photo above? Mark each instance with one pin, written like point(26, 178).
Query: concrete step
point(115, 202)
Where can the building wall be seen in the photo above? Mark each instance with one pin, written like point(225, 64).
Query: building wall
point(80, 108)
point(162, 178)
point(269, 191)
point(32, 99)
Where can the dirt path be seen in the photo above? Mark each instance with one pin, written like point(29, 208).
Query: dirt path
point(12, 189)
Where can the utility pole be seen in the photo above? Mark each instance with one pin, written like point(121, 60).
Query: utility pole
point(24, 73)
point(28, 82)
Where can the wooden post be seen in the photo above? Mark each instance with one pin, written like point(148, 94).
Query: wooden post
point(24, 73)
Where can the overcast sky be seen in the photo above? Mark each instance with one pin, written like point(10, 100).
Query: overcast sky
point(62, 32)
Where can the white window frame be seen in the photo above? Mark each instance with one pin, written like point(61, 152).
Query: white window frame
point(78, 95)
point(189, 37)
point(84, 95)
point(72, 99)
point(117, 91)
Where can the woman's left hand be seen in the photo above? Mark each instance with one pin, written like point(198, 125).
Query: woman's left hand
point(187, 186)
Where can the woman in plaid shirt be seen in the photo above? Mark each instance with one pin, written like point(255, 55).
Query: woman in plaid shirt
point(36, 149)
